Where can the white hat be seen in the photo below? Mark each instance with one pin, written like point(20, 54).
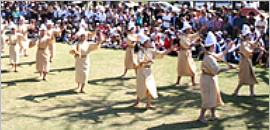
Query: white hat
point(42, 27)
point(143, 38)
point(210, 40)
point(132, 26)
point(13, 26)
point(246, 30)
point(22, 18)
point(49, 22)
point(81, 32)
point(83, 23)
point(219, 33)
point(159, 21)
point(186, 26)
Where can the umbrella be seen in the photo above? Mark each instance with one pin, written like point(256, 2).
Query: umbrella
point(245, 11)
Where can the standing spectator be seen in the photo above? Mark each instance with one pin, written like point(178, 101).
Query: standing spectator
point(146, 16)
point(202, 20)
point(15, 15)
point(166, 20)
point(251, 20)
point(175, 20)
point(210, 22)
point(217, 23)
point(261, 24)
point(238, 24)
point(226, 26)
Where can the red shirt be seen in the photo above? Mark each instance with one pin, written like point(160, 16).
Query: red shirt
point(167, 42)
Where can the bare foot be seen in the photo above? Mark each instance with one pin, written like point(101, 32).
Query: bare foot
point(124, 76)
point(137, 104)
point(195, 84)
point(150, 107)
point(252, 95)
point(180, 84)
point(201, 119)
point(236, 94)
point(214, 118)
point(16, 71)
point(82, 91)
point(25, 55)
point(44, 78)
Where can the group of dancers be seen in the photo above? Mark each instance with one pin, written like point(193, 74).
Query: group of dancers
point(139, 56)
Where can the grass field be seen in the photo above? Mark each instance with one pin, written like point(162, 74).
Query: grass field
point(27, 103)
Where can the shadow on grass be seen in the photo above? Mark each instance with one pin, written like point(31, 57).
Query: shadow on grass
point(179, 126)
point(48, 95)
point(13, 82)
point(256, 111)
point(30, 63)
point(4, 56)
point(112, 81)
point(63, 69)
point(4, 71)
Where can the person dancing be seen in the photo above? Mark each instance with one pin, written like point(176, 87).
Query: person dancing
point(130, 57)
point(43, 54)
point(14, 48)
point(209, 88)
point(246, 73)
point(146, 86)
point(186, 65)
point(81, 51)
point(51, 32)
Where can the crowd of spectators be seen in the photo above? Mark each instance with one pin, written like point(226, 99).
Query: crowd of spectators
point(163, 26)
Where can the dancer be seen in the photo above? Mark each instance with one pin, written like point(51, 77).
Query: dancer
point(210, 92)
point(43, 55)
point(14, 47)
point(81, 51)
point(186, 65)
point(51, 32)
point(130, 57)
point(23, 29)
point(246, 73)
point(145, 81)
point(4, 39)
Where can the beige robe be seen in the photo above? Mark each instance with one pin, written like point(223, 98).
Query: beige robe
point(3, 36)
point(82, 62)
point(246, 73)
point(145, 80)
point(210, 92)
point(14, 48)
point(130, 57)
point(23, 30)
point(186, 65)
point(43, 55)
point(52, 45)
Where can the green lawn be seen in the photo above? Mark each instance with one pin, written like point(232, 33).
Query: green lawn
point(51, 105)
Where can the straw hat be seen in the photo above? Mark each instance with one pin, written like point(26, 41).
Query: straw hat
point(210, 40)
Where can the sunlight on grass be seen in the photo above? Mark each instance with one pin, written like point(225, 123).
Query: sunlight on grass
point(28, 103)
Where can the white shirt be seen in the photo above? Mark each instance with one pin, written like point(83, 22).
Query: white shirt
point(166, 24)
point(261, 24)
point(102, 17)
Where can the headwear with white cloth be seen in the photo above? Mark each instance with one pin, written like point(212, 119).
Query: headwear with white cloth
point(21, 18)
point(186, 26)
point(210, 39)
point(83, 23)
point(245, 30)
point(143, 38)
point(43, 27)
point(13, 26)
point(49, 22)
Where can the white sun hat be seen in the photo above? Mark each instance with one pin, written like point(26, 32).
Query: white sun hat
point(210, 39)
point(186, 26)
point(42, 27)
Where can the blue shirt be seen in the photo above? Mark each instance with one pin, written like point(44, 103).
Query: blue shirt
point(218, 49)
point(22, 13)
point(239, 22)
